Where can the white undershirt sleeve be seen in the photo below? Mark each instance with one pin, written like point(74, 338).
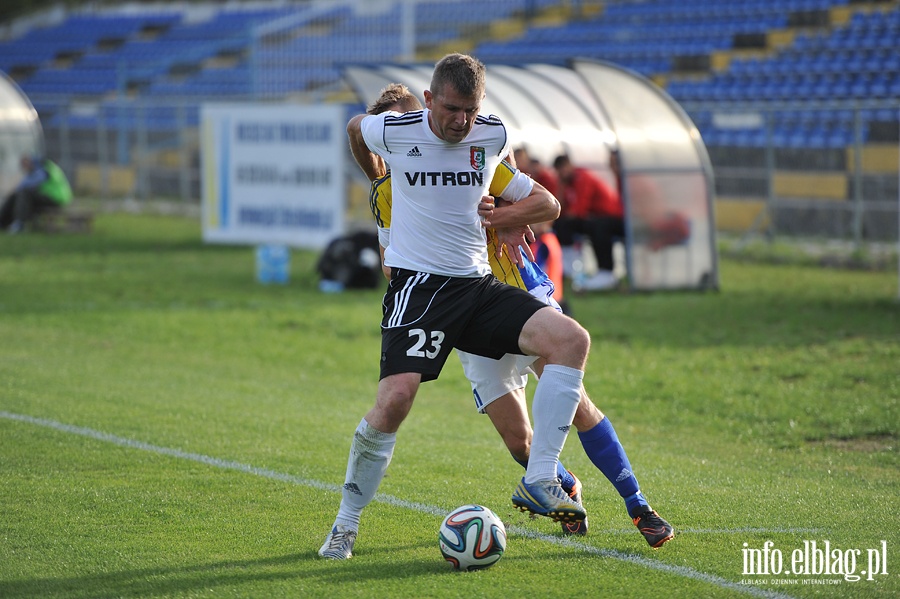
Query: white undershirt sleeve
point(384, 236)
point(518, 188)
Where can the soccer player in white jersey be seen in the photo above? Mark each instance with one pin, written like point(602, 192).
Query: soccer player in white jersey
point(442, 294)
point(498, 386)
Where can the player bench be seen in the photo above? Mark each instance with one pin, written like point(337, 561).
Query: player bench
point(65, 221)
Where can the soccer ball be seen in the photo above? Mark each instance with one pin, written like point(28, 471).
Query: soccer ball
point(472, 537)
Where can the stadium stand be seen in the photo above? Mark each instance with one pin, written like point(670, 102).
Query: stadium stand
point(168, 54)
point(811, 80)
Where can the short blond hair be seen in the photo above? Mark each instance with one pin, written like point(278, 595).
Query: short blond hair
point(395, 94)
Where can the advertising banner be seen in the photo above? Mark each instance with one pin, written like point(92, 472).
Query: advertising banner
point(273, 174)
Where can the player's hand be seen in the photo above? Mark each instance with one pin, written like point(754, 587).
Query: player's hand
point(510, 241)
point(486, 210)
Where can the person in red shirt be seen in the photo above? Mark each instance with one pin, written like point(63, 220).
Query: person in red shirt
point(593, 208)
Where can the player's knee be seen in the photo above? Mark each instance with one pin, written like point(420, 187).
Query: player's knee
point(571, 345)
point(397, 410)
point(395, 398)
point(556, 338)
point(579, 339)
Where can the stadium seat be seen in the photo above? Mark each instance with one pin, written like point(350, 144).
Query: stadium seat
point(167, 54)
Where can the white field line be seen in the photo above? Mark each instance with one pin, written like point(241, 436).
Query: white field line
point(419, 507)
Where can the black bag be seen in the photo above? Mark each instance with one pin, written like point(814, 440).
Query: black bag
point(353, 260)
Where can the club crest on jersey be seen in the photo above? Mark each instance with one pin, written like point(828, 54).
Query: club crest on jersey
point(477, 157)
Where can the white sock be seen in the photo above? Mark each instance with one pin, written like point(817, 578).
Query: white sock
point(370, 454)
point(553, 408)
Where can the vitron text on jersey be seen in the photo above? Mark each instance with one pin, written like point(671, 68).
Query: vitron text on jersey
point(461, 178)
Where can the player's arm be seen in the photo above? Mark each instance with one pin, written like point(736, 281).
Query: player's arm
point(537, 207)
point(385, 269)
point(509, 238)
point(511, 219)
point(371, 163)
point(380, 205)
point(530, 203)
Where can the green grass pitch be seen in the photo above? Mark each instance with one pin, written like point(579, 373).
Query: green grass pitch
point(171, 428)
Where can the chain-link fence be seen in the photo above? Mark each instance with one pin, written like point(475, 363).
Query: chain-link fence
point(805, 168)
point(139, 149)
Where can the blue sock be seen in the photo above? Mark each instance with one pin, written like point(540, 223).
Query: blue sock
point(565, 479)
point(602, 446)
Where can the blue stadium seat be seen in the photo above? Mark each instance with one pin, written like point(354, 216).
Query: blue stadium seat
point(647, 36)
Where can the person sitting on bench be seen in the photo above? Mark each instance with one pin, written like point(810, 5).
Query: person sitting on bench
point(45, 188)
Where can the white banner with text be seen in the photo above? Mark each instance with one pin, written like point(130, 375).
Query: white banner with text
point(273, 174)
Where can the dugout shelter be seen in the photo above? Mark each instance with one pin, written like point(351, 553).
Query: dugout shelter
point(20, 134)
point(587, 109)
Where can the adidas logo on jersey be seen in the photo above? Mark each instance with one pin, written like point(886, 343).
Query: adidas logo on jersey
point(414, 152)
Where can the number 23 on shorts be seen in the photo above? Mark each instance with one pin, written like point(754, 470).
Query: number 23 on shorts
point(426, 345)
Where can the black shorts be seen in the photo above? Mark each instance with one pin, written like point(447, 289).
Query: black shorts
point(425, 316)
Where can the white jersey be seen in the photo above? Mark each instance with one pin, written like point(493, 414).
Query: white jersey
point(436, 188)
